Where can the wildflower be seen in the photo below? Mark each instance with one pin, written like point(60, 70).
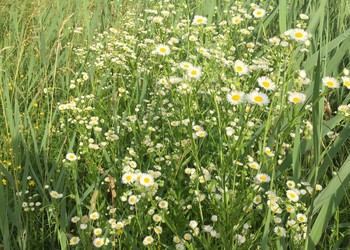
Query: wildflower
point(99, 242)
point(146, 180)
point(266, 83)
point(343, 108)
point(240, 239)
point(290, 184)
point(330, 82)
point(346, 81)
point(257, 200)
point(75, 219)
point(235, 97)
point(236, 20)
point(290, 209)
point(94, 216)
point(318, 187)
point(292, 195)
point(197, 128)
point(262, 178)
point(187, 236)
point(56, 195)
point(194, 72)
point(193, 224)
point(158, 229)
point(128, 178)
point(258, 98)
point(71, 157)
point(97, 231)
point(198, 20)
point(157, 19)
point(268, 151)
point(302, 218)
point(240, 67)
point(201, 133)
point(185, 65)
point(148, 240)
point(132, 200)
point(163, 204)
point(157, 218)
point(272, 196)
point(254, 165)
point(258, 13)
point(296, 97)
point(119, 225)
point(229, 131)
point(280, 231)
point(83, 226)
point(74, 241)
point(299, 35)
point(304, 17)
point(162, 50)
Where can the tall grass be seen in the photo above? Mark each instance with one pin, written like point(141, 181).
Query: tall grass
point(37, 63)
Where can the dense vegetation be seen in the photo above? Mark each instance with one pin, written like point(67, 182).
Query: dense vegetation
point(174, 124)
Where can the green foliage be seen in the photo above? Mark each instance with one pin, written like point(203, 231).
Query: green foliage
point(86, 77)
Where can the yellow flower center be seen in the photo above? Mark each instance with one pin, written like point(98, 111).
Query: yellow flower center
point(330, 84)
point(347, 83)
point(199, 20)
point(194, 72)
point(239, 68)
point(265, 84)
point(296, 99)
point(129, 178)
point(299, 35)
point(258, 99)
point(263, 178)
point(162, 50)
point(147, 180)
point(236, 98)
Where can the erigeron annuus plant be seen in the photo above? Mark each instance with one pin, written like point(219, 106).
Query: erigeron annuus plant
point(182, 130)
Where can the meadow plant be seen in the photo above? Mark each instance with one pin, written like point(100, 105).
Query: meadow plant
point(176, 130)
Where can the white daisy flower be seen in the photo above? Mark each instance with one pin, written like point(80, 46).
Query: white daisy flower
point(299, 35)
point(74, 241)
point(99, 242)
point(301, 218)
point(146, 180)
point(240, 67)
point(235, 97)
point(198, 20)
point(262, 178)
point(162, 50)
point(292, 195)
point(280, 231)
point(132, 200)
point(266, 83)
point(55, 194)
point(71, 157)
point(194, 72)
point(128, 178)
point(330, 82)
point(185, 65)
point(254, 165)
point(296, 97)
point(258, 98)
point(259, 12)
point(148, 240)
point(237, 19)
point(346, 81)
